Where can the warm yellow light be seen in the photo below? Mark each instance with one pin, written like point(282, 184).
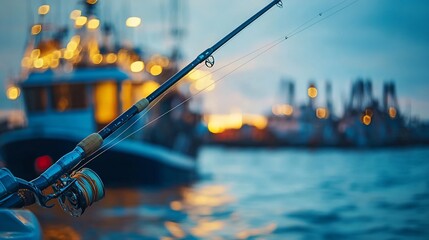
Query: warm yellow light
point(287, 110)
point(72, 45)
point(111, 58)
point(258, 121)
point(105, 102)
point(44, 9)
point(93, 24)
point(63, 104)
point(38, 63)
point(68, 54)
point(91, 1)
point(80, 21)
point(35, 53)
point(366, 119)
point(215, 127)
point(196, 74)
point(26, 62)
point(36, 29)
point(282, 109)
point(75, 14)
point(276, 110)
point(312, 92)
point(322, 113)
point(392, 112)
point(175, 229)
point(176, 205)
point(137, 66)
point(204, 84)
point(13, 93)
point(148, 88)
point(56, 54)
point(54, 63)
point(127, 96)
point(218, 123)
point(133, 22)
point(155, 70)
point(97, 58)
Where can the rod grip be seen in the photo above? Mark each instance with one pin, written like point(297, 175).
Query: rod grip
point(141, 104)
point(91, 143)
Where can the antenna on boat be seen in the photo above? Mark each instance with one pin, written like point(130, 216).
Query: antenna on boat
point(78, 189)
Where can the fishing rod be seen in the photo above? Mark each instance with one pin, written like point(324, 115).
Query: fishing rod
point(78, 189)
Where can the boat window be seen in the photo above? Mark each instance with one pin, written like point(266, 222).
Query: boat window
point(69, 96)
point(105, 102)
point(127, 95)
point(132, 92)
point(36, 99)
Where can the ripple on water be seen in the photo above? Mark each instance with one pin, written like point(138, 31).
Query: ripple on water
point(315, 217)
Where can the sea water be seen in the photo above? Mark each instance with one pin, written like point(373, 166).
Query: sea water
point(270, 194)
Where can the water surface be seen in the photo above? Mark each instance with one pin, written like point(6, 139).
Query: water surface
point(270, 194)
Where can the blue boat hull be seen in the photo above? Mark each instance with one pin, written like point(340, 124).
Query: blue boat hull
point(129, 163)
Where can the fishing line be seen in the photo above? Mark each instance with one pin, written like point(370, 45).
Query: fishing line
point(183, 102)
point(106, 147)
point(306, 25)
point(324, 18)
point(102, 149)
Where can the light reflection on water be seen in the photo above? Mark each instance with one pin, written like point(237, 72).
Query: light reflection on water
point(270, 194)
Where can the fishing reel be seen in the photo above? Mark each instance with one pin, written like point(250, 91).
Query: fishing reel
point(75, 192)
point(84, 187)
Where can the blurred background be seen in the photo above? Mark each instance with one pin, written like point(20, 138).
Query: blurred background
point(312, 124)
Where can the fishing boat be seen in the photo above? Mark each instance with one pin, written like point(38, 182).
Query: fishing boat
point(76, 187)
point(75, 85)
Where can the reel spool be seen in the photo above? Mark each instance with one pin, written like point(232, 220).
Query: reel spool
point(87, 189)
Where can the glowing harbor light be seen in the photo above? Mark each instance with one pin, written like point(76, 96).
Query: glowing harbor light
point(176, 205)
point(91, 1)
point(287, 109)
point(259, 121)
point(137, 66)
point(38, 63)
point(215, 127)
point(366, 119)
point(155, 70)
point(26, 62)
point(312, 91)
point(196, 74)
point(392, 112)
point(97, 58)
point(106, 104)
point(111, 58)
point(44, 9)
point(219, 123)
point(148, 87)
point(282, 110)
point(68, 54)
point(72, 45)
point(80, 21)
point(35, 53)
point(322, 113)
point(206, 84)
point(75, 14)
point(133, 22)
point(36, 29)
point(13, 92)
point(93, 24)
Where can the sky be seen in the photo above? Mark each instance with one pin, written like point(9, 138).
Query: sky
point(383, 40)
